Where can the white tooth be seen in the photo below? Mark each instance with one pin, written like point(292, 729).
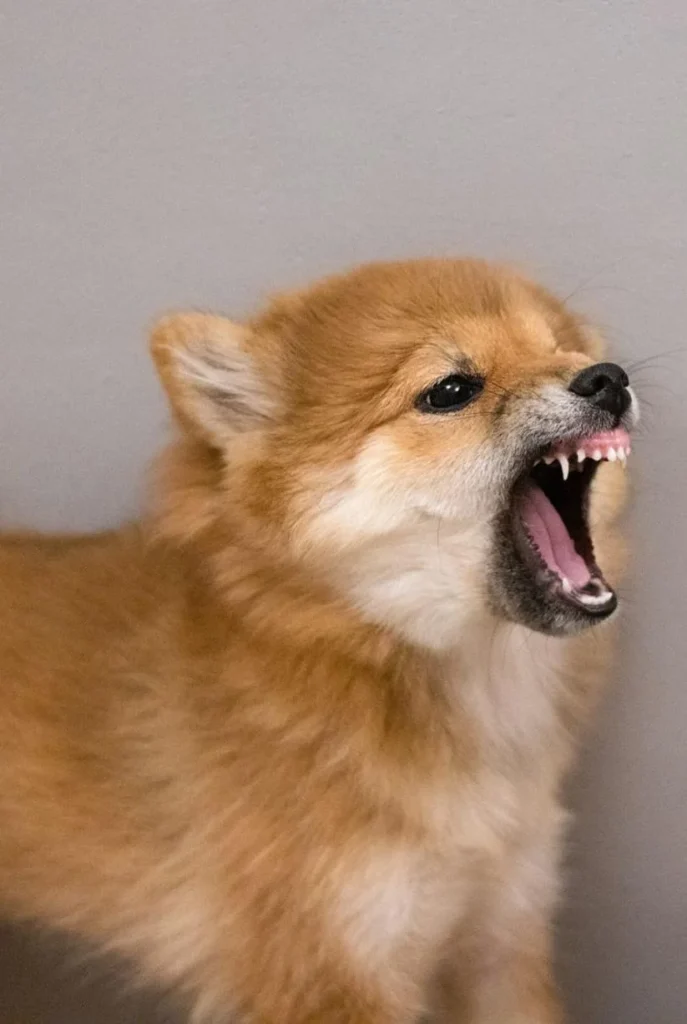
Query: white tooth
point(596, 455)
point(581, 456)
point(622, 457)
point(565, 465)
point(548, 459)
point(611, 454)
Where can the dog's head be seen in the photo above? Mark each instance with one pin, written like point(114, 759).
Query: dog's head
point(425, 436)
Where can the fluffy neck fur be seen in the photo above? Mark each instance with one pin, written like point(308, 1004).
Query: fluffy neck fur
point(500, 685)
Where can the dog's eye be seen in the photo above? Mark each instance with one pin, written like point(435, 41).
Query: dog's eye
point(449, 394)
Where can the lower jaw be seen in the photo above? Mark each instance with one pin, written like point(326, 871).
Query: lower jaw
point(524, 591)
point(595, 599)
point(543, 600)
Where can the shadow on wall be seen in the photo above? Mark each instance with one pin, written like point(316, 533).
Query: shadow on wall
point(42, 980)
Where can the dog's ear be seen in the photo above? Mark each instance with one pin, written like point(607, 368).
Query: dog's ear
point(214, 386)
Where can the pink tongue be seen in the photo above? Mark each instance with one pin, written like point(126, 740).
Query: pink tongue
point(549, 533)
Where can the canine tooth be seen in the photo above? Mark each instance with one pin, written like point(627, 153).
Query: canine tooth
point(611, 454)
point(596, 455)
point(581, 455)
point(565, 465)
point(622, 457)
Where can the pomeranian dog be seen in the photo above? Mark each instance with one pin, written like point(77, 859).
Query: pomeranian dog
point(294, 742)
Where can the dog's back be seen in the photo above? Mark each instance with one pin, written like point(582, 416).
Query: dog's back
point(87, 634)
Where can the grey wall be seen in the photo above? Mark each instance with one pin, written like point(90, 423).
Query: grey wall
point(200, 152)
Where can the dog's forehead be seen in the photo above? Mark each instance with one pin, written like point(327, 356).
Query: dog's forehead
point(516, 333)
point(410, 322)
point(515, 336)
point(467, 303)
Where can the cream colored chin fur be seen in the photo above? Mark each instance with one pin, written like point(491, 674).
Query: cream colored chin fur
point(269, 742)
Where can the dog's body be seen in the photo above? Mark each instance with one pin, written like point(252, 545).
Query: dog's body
point(284, 743)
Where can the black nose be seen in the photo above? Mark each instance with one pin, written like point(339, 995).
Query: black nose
point(605, 385)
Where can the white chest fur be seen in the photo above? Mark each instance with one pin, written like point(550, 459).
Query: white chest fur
point(507, 681)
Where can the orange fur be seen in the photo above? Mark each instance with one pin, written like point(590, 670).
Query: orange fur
point(226, 752)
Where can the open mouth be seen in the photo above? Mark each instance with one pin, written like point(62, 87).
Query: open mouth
point(550, 521)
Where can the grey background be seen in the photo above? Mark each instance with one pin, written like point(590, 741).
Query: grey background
point(179, 153)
